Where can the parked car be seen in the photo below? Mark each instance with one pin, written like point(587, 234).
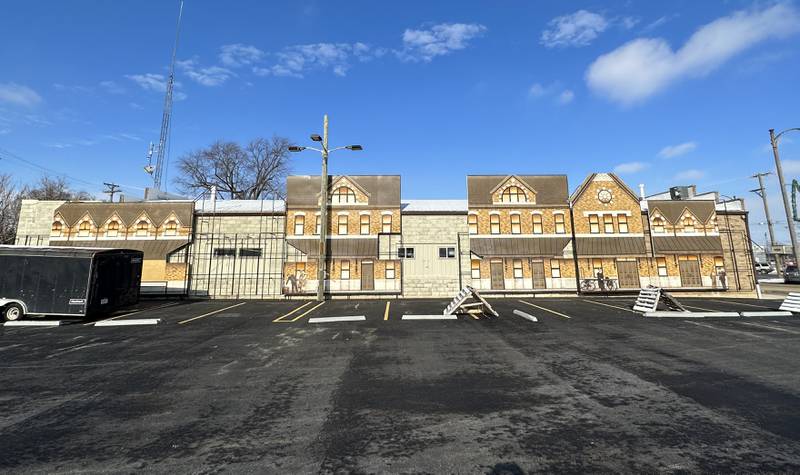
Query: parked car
point(764, 267)
point(791, 275)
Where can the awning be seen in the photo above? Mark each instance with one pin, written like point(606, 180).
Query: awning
point(519, 247)
point(687, 245)
point(152, 249)
point(358, 248)
point(610, 246)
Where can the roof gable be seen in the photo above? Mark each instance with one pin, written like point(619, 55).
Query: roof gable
point(602, 177)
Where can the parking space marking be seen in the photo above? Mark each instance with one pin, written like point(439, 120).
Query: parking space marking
point(701, 309)
point(737, 332)
point(304, 313)
point(349, 318)
point(612, 306)
point(546, 309)
point(133, 313)
point(793, 332)
point(429, 317)
point(132, 321)
point(386, 312)
point(741, 303)
point(33, 323)
point(210, 313)
point(280, 319)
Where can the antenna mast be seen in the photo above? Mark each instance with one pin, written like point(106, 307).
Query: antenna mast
point(160, 148)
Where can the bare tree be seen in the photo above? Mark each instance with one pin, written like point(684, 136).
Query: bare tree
point(254, 171)
point(53, 188)
point(9, 209)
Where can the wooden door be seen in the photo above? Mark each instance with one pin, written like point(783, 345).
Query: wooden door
point(628, 274)
point(367, 275)
point(496, 271)
point(537, 273)
point(690, 273)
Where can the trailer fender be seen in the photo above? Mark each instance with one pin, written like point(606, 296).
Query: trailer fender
point(4, 302)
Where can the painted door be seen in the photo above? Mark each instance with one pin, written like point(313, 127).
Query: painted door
point(367, 275)
point(496, 268)
point(628, 273)
point(537, 273)
point(690, 273)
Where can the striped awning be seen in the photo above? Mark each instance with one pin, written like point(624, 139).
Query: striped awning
point(519, 247)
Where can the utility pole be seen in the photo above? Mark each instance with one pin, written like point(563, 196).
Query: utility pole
point(323, 213)
point(111, 190)
point(789, 218)
point(760, 192)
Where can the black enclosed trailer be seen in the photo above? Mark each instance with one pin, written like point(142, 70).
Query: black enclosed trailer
point(67, 281)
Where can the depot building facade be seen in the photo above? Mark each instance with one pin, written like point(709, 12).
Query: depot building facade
point(513, 235)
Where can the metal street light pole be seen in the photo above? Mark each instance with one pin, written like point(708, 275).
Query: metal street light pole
point(773, 138)
point(323, 200)
point(763, 194)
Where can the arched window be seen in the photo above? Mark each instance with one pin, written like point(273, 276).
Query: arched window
point(658, 224)
point(513, 194)
point(84, 229)
point(343, 195)
point(113, 229)
point(142, 228)
point(171, 229)
point(56, 229)
point(688, 224)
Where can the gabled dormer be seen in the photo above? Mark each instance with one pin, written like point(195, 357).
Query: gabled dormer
point(346, 191)
point(512, 190)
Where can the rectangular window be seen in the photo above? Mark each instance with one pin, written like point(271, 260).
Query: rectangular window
point(364, 223)
point(555, 268)
point(386, 223)
point(249, 252)
point(342, 224)
point(537, 223)
point(517, 268)
point(688, 225)
point(389, 269)
point(516, 227)
point(594, 224)
point(719, 265)
point(299, 224)
point(622, 223)
point(299, 268)
point(405, 252)
point(225, 252)
point(475, 266)
point(608, 224)
point(559, 220)
point(472, 222)
point(317, 225)
point(345, 270)
point(447, 252)
point(494, 223)
point(597, 266)
point(661, 263)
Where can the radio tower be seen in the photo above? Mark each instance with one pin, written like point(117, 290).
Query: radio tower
point(160, 149)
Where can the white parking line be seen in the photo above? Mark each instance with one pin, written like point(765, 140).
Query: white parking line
point(793, 332)
point(135, 312)
point(33, 323)
point(429, 317)
point(545, 309)
point(737, 332)
point(526, 316)
point(612, 306)
point(133, 321)
point(349, 318)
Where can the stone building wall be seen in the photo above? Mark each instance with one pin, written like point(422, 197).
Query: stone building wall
point(35, 221)
point(428, 275)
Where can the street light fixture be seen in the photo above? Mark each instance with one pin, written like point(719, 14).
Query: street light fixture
point(323, 202)
point(773, 138)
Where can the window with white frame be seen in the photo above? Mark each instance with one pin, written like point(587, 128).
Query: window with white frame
point(447, 252)
point(494, 223)
point(516, 225)
point(112, 230)
point(559, 221)
point(343, 195)
point(345, 274)
point(405, 252)
point(386, 223)
point(661, 264)
point(594, 224)
point(364, 223)
point(475, 268)
point(608, 224)
point(513, 194)
point(517, 263)
point(597, 266)
point(342, 224)
point(56, 229)
point(536, 219)
point(142, 228)
point(317, 224)
point(658, 225)
point(555, 268)
point(389, 270)
point(472, 222)
point(84, 229)
point(688, 224)
point(299, 224)
point(171, 228)
point(622, 224)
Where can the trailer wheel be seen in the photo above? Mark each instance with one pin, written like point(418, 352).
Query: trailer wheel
point(13, 311)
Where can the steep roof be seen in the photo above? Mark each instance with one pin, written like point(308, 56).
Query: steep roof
point(589, 179)
point(550, 189)
point(128, 212)
point(383, 190)
point(672, 210)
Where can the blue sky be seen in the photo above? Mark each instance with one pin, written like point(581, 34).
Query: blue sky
point(664, 93)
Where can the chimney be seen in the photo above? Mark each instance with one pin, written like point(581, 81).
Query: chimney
point(641, 191)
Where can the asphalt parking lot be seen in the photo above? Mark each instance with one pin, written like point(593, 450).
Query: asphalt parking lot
point(248, 386)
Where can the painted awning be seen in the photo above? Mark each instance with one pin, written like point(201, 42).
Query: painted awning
point(152, 249)
point(519, 247)
point(610, 246)
point(687, 245)
point(358, 248)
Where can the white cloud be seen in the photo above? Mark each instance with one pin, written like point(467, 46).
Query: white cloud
point(295, 61)
point(645, 66)
point(438, 40)
point(156, 83)
point(537, 90)
point(576, 29)
point(210, 76)
point(112, 87)
point(630, 167)
point(135, 106)
point(238, 54)
point(691, 174)
point(671, 151)
point(17, 94)
point(566, 96)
